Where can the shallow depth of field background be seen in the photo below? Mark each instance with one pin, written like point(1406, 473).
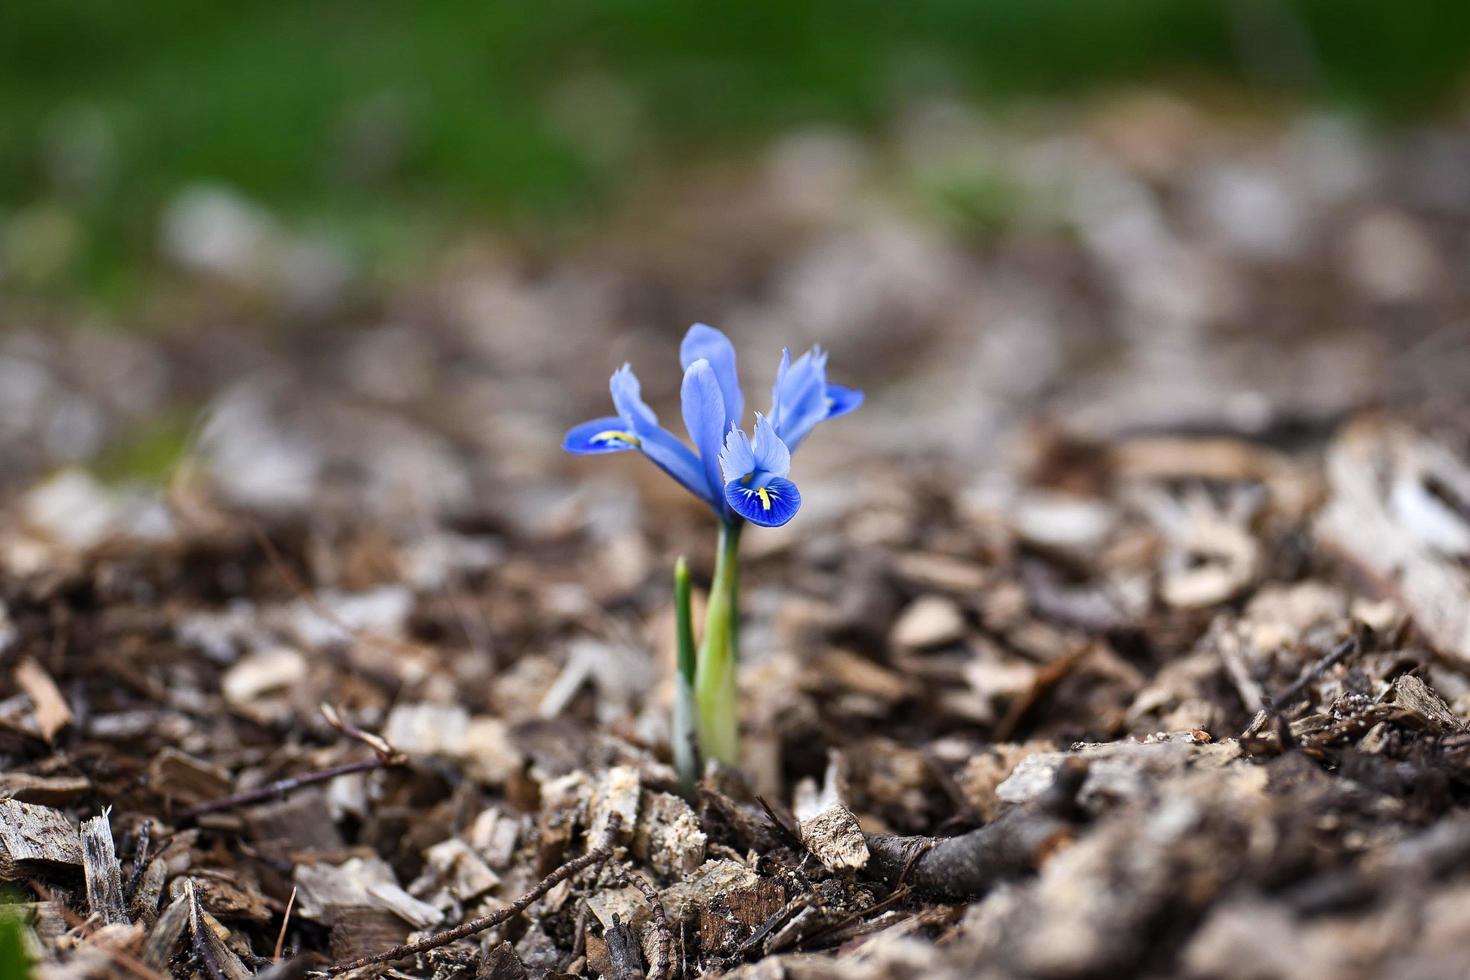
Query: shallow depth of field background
point(464, 215)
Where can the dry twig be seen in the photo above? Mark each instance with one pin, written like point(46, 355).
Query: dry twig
point(661, 966)
point(384, 757)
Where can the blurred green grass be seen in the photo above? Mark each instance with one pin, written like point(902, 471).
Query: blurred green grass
point(382, 120)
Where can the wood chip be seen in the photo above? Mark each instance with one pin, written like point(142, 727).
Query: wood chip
point(52, 712)
point(163, 938)
point(834, 838)
point(668, 837)
point(35, 839)
point(186, 780)
point(453, 874)
point(1412, 694)
point(324, 886)
point(103, 873)
point(930, 621)
point(144, 905)
point(618, 792)
point(685, 898)
point(501, 963)
point(364, 930)
point(45, 790)
point(420, 915)
point(1384, 537)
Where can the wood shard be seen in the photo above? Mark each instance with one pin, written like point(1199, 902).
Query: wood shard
point(185, 779)
point(501, 963)
point(685, 898)
point(364, 931)
point(418, 914)
point(730, 917)
point(834, 838)
point(1388, 535)
point(34, 837)
point(45, 790)
point(103, 874)
point(324, 886)
point(52, 712)
point(618, 792)
point(163, 938)
point(931, 621)
point(668, 836)
point(1428, 708)
point(453, 873)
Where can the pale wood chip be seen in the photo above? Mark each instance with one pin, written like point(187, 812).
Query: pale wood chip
point(103, 873)
point(52, 712)
point(33, 837)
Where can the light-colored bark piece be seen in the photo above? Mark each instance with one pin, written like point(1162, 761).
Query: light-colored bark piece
point(103, 873)
point(834, 838)
point(494, 835)
point(1417, 697)
point(144, 905)
point(186, 780)
point(52, 712)
point(453, 873)
point(1380, 517)
point(929, 621)
point(420, 915)
point(45, 790)
point(323, 886)
point(685, 898)
point(32, 837)
point(618, 792)
point(668, 836)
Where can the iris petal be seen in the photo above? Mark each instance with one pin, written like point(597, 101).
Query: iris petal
point(737, 461)
point(771, 456)
point(678, 461)
point(842, 400)
point(604, 435)
point(704, 417)
point(799, 398)
point(658, 443)
point(705, 342)
point(769, 506)
point(627, 396)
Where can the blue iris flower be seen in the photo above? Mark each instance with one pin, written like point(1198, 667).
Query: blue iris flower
point(739, 476)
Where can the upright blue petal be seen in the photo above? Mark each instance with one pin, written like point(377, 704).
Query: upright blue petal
point(770, 454)
point(769, 506)
point(706, 343)
point(604, 435)
point(737, 459)
point(799, 398)
point(704, 417)
point(627, 396)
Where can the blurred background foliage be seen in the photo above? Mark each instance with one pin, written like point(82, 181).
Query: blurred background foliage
point(388, 124)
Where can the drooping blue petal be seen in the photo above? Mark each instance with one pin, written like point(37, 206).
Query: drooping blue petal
point(770, 454)
point(737, 460)
point(842, 400)
point(677, 460)
point(657, 443)
point(769, 506)
point(704, 417)
point(604, 435)
point(705, 342)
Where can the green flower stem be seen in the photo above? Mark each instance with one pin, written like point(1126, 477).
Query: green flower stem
point(685, 734)
point(715, 685)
